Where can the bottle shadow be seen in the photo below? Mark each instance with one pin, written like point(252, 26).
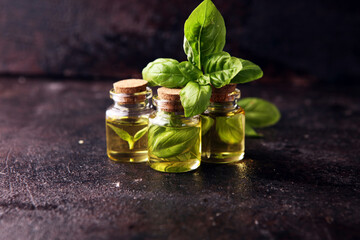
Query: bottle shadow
point(208, 178)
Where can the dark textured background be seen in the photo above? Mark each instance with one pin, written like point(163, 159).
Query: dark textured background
point(301, 181)
point(117, 38)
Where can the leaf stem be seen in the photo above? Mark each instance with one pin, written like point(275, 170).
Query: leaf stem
point(131, 144)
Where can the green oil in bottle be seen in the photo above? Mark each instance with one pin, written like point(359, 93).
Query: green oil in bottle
point(174, 149)
point(223, 139)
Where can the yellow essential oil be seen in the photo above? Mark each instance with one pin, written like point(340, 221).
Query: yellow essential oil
point(126, 139)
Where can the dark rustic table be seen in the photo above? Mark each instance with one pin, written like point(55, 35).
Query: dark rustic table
point(299, 182)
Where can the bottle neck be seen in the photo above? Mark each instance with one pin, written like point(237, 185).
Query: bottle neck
point(222, 106)
point(172, 107)
point(224, 102)
point(171, 113)
point(133, 107)
point(175, 119)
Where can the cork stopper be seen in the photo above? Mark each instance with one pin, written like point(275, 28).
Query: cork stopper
point(127, 90)
point(171, 94)
point(223, 94)
point(169, 99)
point(130, 86)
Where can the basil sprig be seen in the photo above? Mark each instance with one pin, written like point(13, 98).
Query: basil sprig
point(127, 137)
point(258, 114)
point(207, 64)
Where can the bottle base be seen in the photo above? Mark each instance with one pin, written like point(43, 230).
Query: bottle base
point(136, 157)
point(222, 157)
point(174, 167)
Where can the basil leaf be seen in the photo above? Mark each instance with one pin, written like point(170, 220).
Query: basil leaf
point(259, 113)
point(195, 98)
point(220, 68)
point(164, 72)
point(250, 132)
point(190, 71)
point(165, 142)
point(230, 129)
point(249, 72)
point(205, 32)
point(206, 123)
point(127, 137)
point(140, 134)
point(154, 131)
point(123, 135)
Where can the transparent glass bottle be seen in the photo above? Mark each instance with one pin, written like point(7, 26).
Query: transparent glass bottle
point(174, 140)
point(223, 129)
point(127, 126)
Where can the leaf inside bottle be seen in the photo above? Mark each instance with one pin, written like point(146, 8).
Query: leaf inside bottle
point(230, 129)
point(166, 142)
point(131, 140)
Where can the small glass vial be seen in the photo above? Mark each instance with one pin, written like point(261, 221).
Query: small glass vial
point(174, 140)
point(223, 127)
point(127, 121)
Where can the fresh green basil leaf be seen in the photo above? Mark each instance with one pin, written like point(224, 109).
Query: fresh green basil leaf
point(123, 135)
point(206, 123)
point(164, 72)
point(195, 98)
point(205, 32)
point(154, 131)
point(171, 141)
point(190, 71)
point(250, 132)
point(249, 72)
point(220, 68)
point(140, 134)
point(230, 129)
point(259, 113)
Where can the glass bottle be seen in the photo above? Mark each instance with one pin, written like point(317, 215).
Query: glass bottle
point(223, 127)
point(174, 140)
point(127, 121)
